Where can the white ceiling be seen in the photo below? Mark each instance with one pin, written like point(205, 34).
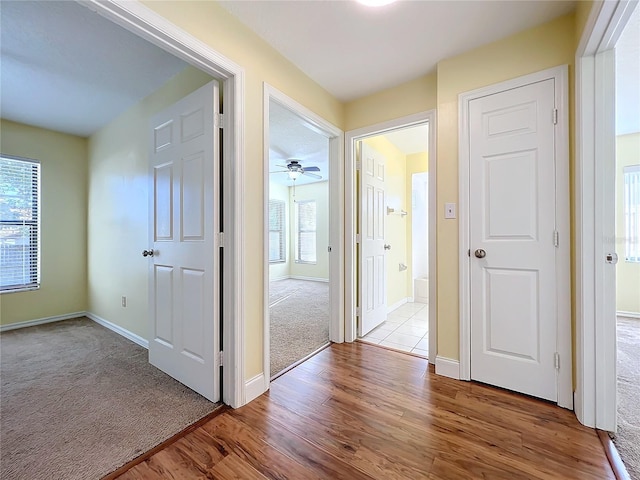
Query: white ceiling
point(353, 51)
point(410, 140)
point(66, 68)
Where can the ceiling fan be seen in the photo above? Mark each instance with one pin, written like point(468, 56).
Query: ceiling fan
point(294, 169)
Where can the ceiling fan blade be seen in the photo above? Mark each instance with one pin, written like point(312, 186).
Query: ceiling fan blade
point(311, 169)
point(282, 166)
point(280, 171)
point(311, 174)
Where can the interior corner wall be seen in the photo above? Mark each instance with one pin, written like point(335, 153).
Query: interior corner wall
point(118, 207)
point(282, 270)
point(63, 267)
point(549, 45)
point(216, 27)
point(627, 273)
point(318, 191)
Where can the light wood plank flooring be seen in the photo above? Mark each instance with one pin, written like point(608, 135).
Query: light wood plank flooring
point(358, 411)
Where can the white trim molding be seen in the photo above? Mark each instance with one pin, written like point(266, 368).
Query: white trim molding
point(144, 22)
point(335, 137)
point(595, 395)
point(143, 342)
point(41, 321)
point(256, 386)
point(351, 139)
point(448, 367)
point(563, 273)
point(622, 313)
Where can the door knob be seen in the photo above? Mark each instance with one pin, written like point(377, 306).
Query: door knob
point(387, 247)
point(147, 253)
point(480, 253)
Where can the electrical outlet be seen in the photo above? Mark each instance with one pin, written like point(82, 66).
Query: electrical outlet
point(449, 210)
point(124, 301)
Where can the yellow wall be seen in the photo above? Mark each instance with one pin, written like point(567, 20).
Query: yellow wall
point(63, 160)
point(627, 273)
point(318, 191)
point(415, 96)
point(416, 162)
point(546, 46)
point(216, 27)
point(279, 270)
point(118, 215)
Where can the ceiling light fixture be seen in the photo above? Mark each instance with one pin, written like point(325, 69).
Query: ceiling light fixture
point(375, 3)
point(294, 174)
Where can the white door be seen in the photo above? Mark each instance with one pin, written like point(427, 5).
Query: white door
point(184, 209)
point(512, 239)
point(373, 305)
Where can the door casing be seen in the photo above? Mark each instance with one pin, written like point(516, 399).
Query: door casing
point(351, 138)
point(560, 75)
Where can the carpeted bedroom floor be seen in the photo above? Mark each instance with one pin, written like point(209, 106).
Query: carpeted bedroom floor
point(299, 320)
point(627, 440)
point(77, 401)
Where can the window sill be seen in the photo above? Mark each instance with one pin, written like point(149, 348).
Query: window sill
point(18, 290)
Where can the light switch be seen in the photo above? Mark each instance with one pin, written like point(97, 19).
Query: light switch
point(449, 210)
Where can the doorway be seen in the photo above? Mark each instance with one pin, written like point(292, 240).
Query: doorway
point(394, 243)
point(395, 273)
point(303, 304)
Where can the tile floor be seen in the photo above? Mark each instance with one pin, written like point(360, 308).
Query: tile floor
point(406, 329)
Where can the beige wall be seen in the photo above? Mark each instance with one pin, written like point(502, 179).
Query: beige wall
point(530, 51)
point(209, 22)
point(319, 192)
point(63, 160)
point(627, 273)
point(118, 212)
point(280, 270)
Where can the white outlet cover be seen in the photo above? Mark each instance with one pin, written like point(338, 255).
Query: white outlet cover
point(449, 210)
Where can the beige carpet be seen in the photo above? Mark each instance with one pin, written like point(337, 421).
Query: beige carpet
point(79, 401)
point(299, 316)
point(627, 440)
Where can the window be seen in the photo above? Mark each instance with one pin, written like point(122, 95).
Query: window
point(19, 223)
point(632, 213)
point(306, 224)
point(276, 232)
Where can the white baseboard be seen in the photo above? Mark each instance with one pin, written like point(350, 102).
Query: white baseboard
point(448, 367)
point(41, 321)
point(312, 279)
point(399, 303)
point(254, 387)
point(629, 314)
point(119, 330)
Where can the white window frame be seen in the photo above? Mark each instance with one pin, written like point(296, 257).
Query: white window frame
point(631, 208)
point(35, 253)
point(298, 232)
point(282, 245)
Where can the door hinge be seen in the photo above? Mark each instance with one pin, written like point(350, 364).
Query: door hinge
point(358, 311)
point(556, 238)
point(220, 358)
point(219, 120)
point(358, 238)
point(556, 360)
point(358, 165)
point(220, 239)
point(555, 116)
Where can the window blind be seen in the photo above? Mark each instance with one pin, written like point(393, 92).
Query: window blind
point(19, 223)
point(306, 251)
point(276, 231)
point(632, 213)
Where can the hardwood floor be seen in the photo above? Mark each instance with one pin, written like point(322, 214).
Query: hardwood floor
point(357, 411)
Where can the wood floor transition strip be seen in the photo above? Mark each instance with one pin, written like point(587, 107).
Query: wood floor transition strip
point(619, 470)
point(161, 446)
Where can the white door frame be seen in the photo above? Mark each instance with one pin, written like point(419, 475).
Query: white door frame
point(336, 218)
point(563, 275)
point(144, 22)
point(595, 402)
point(351, 138)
